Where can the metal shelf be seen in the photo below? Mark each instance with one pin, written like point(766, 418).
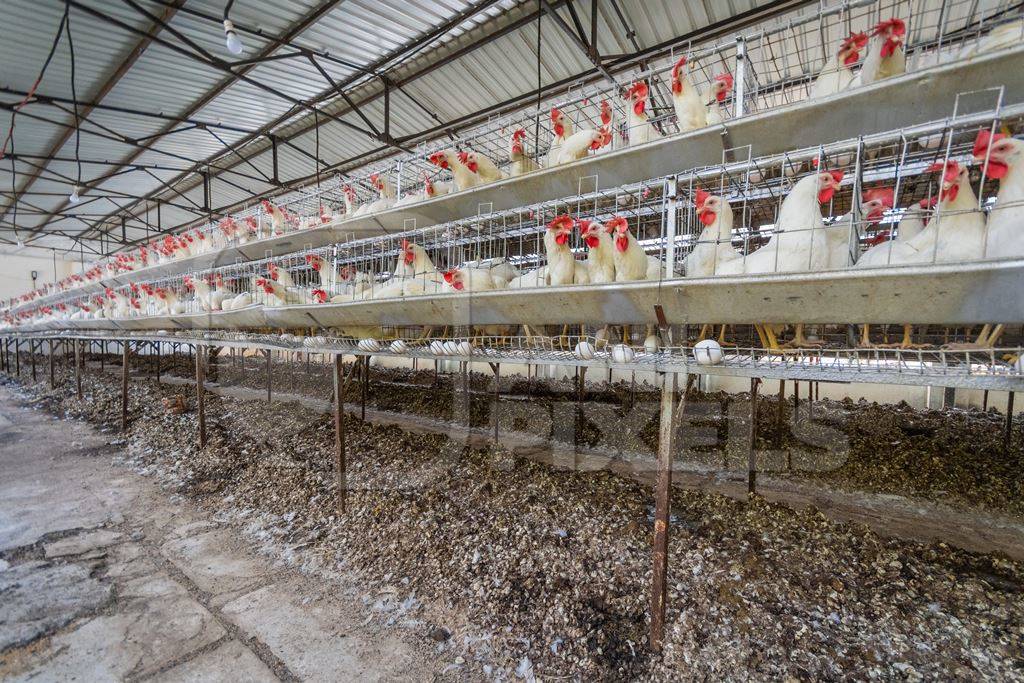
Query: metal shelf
point(889, 105)
point(981, 369)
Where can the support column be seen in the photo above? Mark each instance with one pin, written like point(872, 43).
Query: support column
point(267, 353)
point(78, 368)
point(53, 381)
point(1008, 434)
point(495, 367)
point(17, 356)
point(662, 500)
point(32, 357)
point(365, 388)
point(125, 350)
point(156, 346)
point(340, 467)
point(200, 395)
point(752, 454)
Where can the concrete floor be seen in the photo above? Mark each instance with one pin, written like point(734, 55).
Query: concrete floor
point(106, 577)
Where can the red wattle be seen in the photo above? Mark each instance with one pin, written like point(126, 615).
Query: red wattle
point(638, 107)
point(622, 243)
point(996, 169)
point(559, 130)
point(592, 241)
point(707, 217)
point(851, 59)
point(950, 194)
point(458, 285)
point(409, 258)
point(824, 196)
point(561, 238)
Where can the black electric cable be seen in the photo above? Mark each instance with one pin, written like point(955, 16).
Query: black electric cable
point(74, 100)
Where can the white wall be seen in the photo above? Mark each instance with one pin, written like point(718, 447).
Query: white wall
point(16, 271)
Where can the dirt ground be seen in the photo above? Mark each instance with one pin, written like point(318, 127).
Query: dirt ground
point(515, 568)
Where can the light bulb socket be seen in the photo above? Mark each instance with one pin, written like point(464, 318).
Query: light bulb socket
point(234, 44)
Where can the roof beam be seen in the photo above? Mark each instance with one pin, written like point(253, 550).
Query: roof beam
point(124, 65)
point(225, 83)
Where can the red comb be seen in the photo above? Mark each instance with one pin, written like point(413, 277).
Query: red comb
point(985, 140)
point(702, 196)
point(885, 195)
point(895, 26)
point(857, 40)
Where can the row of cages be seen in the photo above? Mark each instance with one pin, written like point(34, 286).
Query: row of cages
point(774, 66)
point(915, 196)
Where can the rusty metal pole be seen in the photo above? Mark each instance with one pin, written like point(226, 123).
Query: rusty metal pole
point(339, 434)
point(779, 421)
point(17, 356)
point(365, 388)
point(200, 396)
point(53, 381)
point(32, 357)
point(78, 368)
point(125, 350)
point(662, 500)
point(1008, 434)
point(103, 356)
point(267, 354)
point(752, 455)
point(496, 367)
point(156, 345)
point(796, 400)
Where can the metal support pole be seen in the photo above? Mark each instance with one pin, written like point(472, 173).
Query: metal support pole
point(200, 396)
point(267, 353)
point(662, 499)
point(496, 367)
point(32, 357)
point(53, 381)
point(752, 455)
point(365, 389)
point(124, 384)
point(103, 356)
point(3, 356)
point(339, 434)
point(779, 421)
point(156, 345)
point(984, 402)
point(739, 108)
point(78, 368)
point(17, 356)
point(1008, 434)
point(796, 400)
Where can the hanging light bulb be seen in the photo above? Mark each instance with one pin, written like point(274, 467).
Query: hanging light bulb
point(235, 46)
point(74, 197)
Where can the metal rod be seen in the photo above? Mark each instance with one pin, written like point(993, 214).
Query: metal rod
point(156, 346)
point(78, 368)
point(339, 434)
point(496, 367)
point(752, 454)
point(53, 383)
point(365, 378)
point(662, 490)
point(17, 356)
point(796, 399)
point(200, 396)
point(779, 420)
point(1008, 434)
point(126, 345)
point(267, 353)
point(32, 355)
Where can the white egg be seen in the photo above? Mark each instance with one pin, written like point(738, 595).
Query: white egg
point(930, 141)
point(437, 348)
point(651, 343)
point(708, 352)
point(464, 348)
point(451, 348)
point(755, 176)
point(1019, 365)
point(622, 354)
point(584, 351)
point(369, 345)
point(398, 346)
